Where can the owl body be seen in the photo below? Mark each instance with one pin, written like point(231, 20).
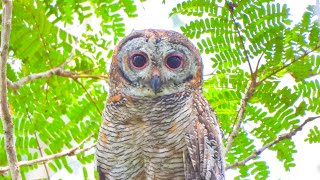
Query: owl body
point(156, 123)
point(147, 138)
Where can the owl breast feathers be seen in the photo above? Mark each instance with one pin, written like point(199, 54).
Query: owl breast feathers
point(156, 122)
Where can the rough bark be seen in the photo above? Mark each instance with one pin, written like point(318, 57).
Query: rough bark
point(5, 111)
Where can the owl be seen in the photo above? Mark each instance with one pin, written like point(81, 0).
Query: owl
point(156, 122)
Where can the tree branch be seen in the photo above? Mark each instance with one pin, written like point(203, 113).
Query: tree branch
point(47, 74)
point(69, 152)
point(280, 138)
point(250, 91)
point(5, 112)
point(58, 71)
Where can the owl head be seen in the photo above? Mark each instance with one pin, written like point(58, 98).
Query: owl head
point(155, 62)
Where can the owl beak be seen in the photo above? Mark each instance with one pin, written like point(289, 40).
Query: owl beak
point(155, 83)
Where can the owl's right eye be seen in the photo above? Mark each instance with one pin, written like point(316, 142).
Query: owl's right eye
point(138, 61)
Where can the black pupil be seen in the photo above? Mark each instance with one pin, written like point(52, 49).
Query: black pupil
point(174, 62)
point(139, 61)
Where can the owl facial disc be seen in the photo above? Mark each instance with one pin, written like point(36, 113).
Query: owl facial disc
point(153, 63)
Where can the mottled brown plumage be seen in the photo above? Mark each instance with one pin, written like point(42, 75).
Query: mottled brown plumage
point(156, 122)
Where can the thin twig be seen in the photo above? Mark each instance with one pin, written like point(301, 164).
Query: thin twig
point(91, 98)
point(5, 112)
point(38, 144)
point(258, 63)
point(69, 152)
point(287, 65)
point(231, 9)
point(41, 38)
point(41, 155)
point(280, 138)
point(92, 76)
point(211, 73)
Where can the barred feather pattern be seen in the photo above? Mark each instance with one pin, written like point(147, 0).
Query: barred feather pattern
point(173, 136)
point(204, 159)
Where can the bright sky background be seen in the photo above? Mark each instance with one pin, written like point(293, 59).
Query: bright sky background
point(154, 14)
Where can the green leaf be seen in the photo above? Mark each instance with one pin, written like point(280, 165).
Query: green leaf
point(313, 136)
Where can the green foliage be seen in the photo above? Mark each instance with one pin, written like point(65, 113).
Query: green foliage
point(223, 91)
point(314, 135)
point(260, 32)
point(57, 113)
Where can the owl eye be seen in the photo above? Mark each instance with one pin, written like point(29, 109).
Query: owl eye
point(173, 62)
point(138, 61)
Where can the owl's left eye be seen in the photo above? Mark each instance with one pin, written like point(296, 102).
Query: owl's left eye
point(173, 62)
point(138, 61)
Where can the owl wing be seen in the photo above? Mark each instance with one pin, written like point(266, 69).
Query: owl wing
point(203, 157)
